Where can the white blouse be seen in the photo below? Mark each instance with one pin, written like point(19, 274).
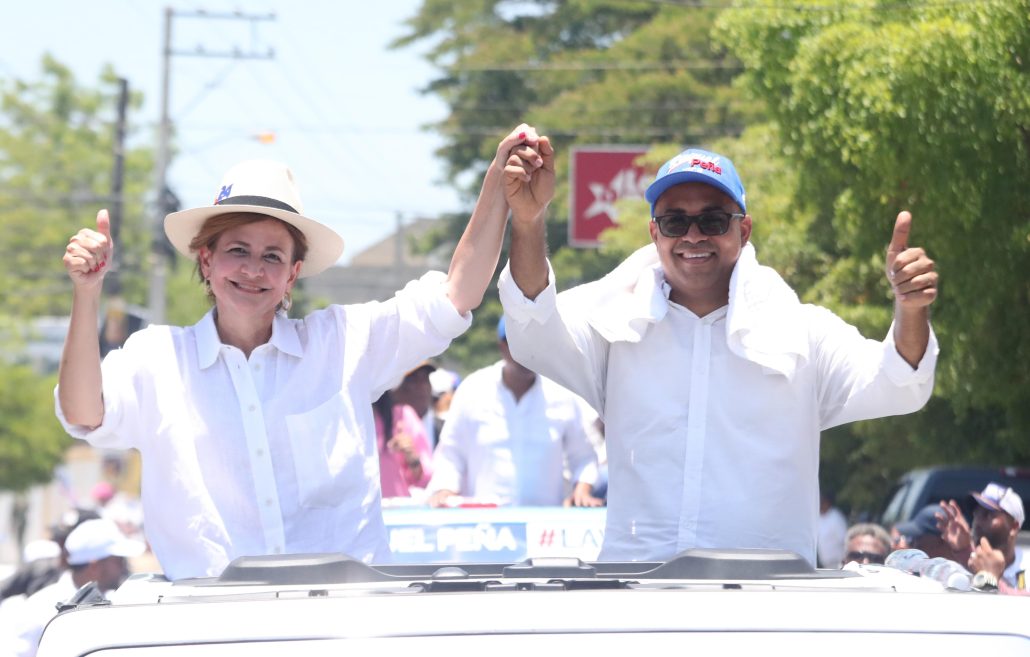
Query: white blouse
point(270, 454)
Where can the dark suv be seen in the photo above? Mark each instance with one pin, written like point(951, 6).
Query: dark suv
point(917, 488)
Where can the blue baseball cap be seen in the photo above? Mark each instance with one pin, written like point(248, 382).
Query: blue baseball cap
point(698, 165)
point(921, 524)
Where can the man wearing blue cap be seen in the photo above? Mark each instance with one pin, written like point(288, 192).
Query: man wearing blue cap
point(713, 380)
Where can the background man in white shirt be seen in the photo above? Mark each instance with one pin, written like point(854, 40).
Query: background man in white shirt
point(508, 435)
point(713, 380)
point(833, 529)
point(97, 552)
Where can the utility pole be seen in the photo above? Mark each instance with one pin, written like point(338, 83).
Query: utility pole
point(160, 250)
point(113, 280)
point(398, 244)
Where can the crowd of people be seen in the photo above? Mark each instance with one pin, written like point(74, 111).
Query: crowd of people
point(988, 549)
point(265, 434)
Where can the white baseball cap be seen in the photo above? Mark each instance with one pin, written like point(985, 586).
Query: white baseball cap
point(98, 539)
point(40, 549)
point(1001, 498)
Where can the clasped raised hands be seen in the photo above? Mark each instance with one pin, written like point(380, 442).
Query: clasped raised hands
point(89, 253)
point(528, 172)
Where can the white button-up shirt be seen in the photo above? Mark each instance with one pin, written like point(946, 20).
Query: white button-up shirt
point(707, 448)
point(495, 448)
point(31, 618)
point(270, 454)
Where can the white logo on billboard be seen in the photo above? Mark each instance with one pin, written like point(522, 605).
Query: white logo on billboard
point(627, 183)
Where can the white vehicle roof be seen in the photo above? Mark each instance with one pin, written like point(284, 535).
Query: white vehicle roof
point(725, 600)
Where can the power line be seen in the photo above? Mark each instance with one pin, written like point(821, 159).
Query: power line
point(212, 84)
point(367, 170)
point(603, 131)
point(672, 64)
point(900, 5)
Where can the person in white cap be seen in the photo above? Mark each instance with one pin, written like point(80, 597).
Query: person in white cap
point(990, 545)
point(97, 552)
point(712, 379)
point(255, 429)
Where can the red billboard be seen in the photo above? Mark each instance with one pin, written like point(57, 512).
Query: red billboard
point(599, 176)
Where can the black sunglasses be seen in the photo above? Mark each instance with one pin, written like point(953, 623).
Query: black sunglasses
point(865, 557)
point(709, 222)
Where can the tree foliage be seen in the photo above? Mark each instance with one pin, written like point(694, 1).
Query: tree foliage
point(837, 117)
point(887, 106)
point(56, 163)
point(583, 72)
point(32, 441)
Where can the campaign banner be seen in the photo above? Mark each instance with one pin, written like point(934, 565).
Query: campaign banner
point(599, 176)
point(493, 535)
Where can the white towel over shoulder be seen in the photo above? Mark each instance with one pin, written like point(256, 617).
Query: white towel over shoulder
point(762, 323)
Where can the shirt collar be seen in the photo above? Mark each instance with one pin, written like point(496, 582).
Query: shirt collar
point(208, 344)
point(284, 338)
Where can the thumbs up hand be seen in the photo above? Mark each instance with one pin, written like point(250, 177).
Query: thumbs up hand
point(89, 253)
point(909, 270)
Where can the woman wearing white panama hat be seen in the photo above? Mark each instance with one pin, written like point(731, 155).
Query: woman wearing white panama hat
point(256, 430)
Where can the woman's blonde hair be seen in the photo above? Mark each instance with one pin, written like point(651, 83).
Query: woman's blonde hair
point(213, 228)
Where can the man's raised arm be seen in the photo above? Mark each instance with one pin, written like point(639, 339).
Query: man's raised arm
point(529, 190)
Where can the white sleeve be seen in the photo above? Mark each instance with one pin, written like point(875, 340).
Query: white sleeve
point(417, 323)
point(554, 343)
point(120, 428)
point(861, 379)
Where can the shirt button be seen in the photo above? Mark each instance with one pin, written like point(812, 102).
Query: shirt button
point(268, 502)
point(259, 451)
point(277, 550)
point(252, 407)
point(257, 366)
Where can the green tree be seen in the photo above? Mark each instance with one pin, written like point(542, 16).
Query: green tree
point(32, 441)
point(56, 162)
point(583, 72)
point(884, 106)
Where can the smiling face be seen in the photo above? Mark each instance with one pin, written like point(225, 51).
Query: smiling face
point(251, 268)
point(697, 266)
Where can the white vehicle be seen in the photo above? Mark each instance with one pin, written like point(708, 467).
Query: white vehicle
point(707, 602)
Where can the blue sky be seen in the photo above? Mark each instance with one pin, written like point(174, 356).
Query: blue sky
point(345, 110)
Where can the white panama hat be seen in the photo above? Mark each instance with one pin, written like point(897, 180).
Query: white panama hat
point(261, 187)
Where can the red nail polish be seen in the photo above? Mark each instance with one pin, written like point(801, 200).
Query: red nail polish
point(522, 135)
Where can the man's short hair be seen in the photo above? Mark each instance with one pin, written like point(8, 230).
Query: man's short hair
point(870, 529)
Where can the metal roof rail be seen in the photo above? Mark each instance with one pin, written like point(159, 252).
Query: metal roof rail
point(739, 563)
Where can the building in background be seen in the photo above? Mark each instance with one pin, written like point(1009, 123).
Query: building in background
point(381, 269)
